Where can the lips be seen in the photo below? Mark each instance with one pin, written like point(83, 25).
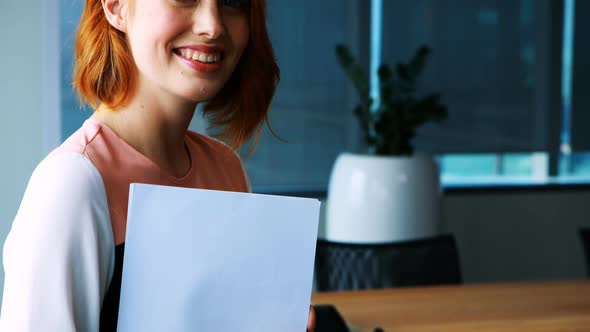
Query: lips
point(202, 58)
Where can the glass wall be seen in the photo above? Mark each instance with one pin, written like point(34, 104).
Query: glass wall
point(500, 66)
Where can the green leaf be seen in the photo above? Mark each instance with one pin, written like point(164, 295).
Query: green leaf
point(390, 129)
point(386, 83)
point(418, 62)
point(354, 72)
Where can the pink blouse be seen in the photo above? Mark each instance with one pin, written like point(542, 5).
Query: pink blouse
point(63, 255)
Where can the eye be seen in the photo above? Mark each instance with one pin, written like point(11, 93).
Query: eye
point(185, 2)
point(235, 4)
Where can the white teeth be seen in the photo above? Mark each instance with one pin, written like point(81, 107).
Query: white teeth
point(201, 57)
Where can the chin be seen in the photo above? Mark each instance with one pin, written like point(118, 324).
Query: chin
point(198, 95)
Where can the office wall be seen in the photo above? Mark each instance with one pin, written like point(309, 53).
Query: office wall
point(519, 236)
point(512, 236)
point(21, 124)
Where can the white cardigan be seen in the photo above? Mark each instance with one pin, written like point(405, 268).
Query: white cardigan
point(60, 251)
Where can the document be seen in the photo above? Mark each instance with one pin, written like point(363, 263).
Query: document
point(206, 260)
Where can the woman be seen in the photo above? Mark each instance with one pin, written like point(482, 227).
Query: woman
point(144, 65)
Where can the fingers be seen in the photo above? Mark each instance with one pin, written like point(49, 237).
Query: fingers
point(311, 320)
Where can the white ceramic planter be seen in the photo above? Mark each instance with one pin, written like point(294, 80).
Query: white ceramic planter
point(382, 199)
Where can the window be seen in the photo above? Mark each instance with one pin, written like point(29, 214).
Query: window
point(574, 163)
point(501, 66)
point(312, 109)
point(73, 115)
point(492, 63)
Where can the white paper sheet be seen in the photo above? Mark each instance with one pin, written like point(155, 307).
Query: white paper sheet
point(203, 260)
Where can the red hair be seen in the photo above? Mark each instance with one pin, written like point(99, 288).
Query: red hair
point(105, 73)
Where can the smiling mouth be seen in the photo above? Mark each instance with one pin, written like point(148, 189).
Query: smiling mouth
point(199, 56)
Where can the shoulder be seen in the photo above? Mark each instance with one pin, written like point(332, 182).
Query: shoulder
point(81, 138)
point(68, 173)
point(64, 203)
point(64, 198)
point(64, 206)
point(82, 155)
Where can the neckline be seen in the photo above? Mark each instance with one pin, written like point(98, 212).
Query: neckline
point(109, 132)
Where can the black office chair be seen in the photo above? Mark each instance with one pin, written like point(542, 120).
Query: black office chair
point(585, 235)
point(428, 261)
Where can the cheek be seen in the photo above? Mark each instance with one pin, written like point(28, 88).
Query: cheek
point(165, 27)
point(156, 26)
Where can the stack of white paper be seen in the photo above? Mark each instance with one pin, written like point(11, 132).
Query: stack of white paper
point(203, 260)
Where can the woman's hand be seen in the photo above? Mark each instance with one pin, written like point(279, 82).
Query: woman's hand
point(311, 320)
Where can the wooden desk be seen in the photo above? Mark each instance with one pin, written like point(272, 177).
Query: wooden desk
point(522, 307)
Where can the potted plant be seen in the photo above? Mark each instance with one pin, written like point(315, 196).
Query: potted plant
point(389, 193)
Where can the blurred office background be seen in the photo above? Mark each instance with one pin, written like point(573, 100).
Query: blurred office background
point(514, 154)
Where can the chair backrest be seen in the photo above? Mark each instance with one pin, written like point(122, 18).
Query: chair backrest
point(585, 235)
point(429, 261)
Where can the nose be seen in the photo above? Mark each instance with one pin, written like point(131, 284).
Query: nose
point(208, 21)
